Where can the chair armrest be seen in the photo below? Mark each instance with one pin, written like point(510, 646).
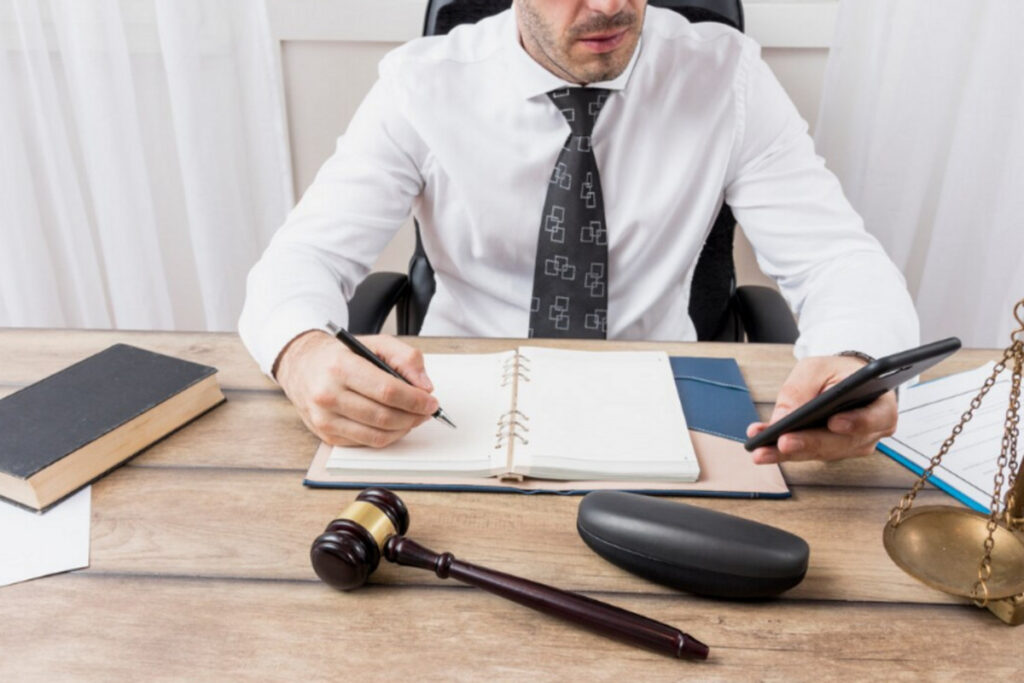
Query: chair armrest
point(766, 316)
point(373, 300)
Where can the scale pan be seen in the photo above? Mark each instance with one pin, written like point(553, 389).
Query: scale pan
point(942, 546)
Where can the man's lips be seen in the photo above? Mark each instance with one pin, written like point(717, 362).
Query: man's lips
point(603, 42)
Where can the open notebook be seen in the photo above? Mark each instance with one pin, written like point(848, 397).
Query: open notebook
point(543, 413)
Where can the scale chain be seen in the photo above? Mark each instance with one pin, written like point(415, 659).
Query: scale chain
point(1008, 447)
point(1013, 413)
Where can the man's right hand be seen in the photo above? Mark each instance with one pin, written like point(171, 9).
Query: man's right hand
point(344, 399)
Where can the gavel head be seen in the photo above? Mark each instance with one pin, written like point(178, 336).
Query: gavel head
point(349, 550)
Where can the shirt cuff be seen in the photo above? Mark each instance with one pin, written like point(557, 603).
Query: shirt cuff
point(873, 341)
point(267, 339)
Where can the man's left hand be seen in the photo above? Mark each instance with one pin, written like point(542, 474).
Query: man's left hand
point(850, 434)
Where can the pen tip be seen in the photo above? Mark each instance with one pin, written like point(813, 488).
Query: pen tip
point(440, 415)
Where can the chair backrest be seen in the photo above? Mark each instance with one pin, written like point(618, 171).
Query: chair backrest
point(714, 279)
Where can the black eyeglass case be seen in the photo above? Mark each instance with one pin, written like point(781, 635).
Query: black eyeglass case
point(690, 548)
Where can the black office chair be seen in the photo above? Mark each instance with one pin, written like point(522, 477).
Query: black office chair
point(719, 309)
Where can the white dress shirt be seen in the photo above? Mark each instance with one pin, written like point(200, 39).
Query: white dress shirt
point(459, 131)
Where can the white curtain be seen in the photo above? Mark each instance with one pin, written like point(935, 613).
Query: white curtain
point(143, 160)
point(922, 119)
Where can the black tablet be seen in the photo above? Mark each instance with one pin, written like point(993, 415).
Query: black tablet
point(857, 390)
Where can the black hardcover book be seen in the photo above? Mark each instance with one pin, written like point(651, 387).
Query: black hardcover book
point(67, 429)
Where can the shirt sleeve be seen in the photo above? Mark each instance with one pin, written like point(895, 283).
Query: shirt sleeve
point(360, 197)
point(844, 289)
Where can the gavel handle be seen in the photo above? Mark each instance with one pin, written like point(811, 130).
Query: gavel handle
point(594, 614)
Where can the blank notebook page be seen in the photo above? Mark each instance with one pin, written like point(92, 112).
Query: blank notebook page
point(609, 415)
point(469, 389)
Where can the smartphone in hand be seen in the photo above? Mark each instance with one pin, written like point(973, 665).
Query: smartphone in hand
point(857, 390)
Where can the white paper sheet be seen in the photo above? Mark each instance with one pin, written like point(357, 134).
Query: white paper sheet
point(33, 544)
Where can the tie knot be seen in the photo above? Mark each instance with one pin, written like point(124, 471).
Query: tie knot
point(580, 106)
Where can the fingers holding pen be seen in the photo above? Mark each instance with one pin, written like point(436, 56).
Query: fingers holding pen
point(364, 406)
point(413, 360)
point(343, 417)
point(406, 360)
point(362, 378)
point(337, 430)
point(362, 410)
point(347, 400)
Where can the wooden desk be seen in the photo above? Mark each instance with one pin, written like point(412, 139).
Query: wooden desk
point(200, 563)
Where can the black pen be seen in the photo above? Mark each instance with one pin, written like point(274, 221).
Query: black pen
point(360, 350)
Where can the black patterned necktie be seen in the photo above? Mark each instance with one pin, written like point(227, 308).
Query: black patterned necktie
point(570, 279)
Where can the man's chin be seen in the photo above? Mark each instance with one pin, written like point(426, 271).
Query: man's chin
point(596, 68)
point(599, 72)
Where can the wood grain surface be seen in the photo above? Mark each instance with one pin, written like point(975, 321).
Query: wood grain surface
point(200, 568)
point(132, 628)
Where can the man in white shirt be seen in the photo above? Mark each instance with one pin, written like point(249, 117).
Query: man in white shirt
point(465, 130)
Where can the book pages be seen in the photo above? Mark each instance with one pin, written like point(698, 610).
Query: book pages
point(726, 469)
point(602, 415)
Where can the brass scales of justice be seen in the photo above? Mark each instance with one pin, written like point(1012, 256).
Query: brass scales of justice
point(964, 552)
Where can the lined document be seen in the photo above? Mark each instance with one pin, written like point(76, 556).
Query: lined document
point(928, 413)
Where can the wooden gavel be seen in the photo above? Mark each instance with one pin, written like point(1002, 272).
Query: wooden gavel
point(350, 549)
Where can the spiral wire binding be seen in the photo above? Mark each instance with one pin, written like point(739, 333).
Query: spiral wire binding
point(511, 425)
point(517, 367)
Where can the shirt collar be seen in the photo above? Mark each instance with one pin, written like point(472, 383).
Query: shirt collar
point(532, 79)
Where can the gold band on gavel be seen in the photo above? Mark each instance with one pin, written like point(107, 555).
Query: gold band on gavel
point(371, 518)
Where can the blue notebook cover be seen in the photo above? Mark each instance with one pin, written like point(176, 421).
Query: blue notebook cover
point(715, 401)
point(714, 396)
